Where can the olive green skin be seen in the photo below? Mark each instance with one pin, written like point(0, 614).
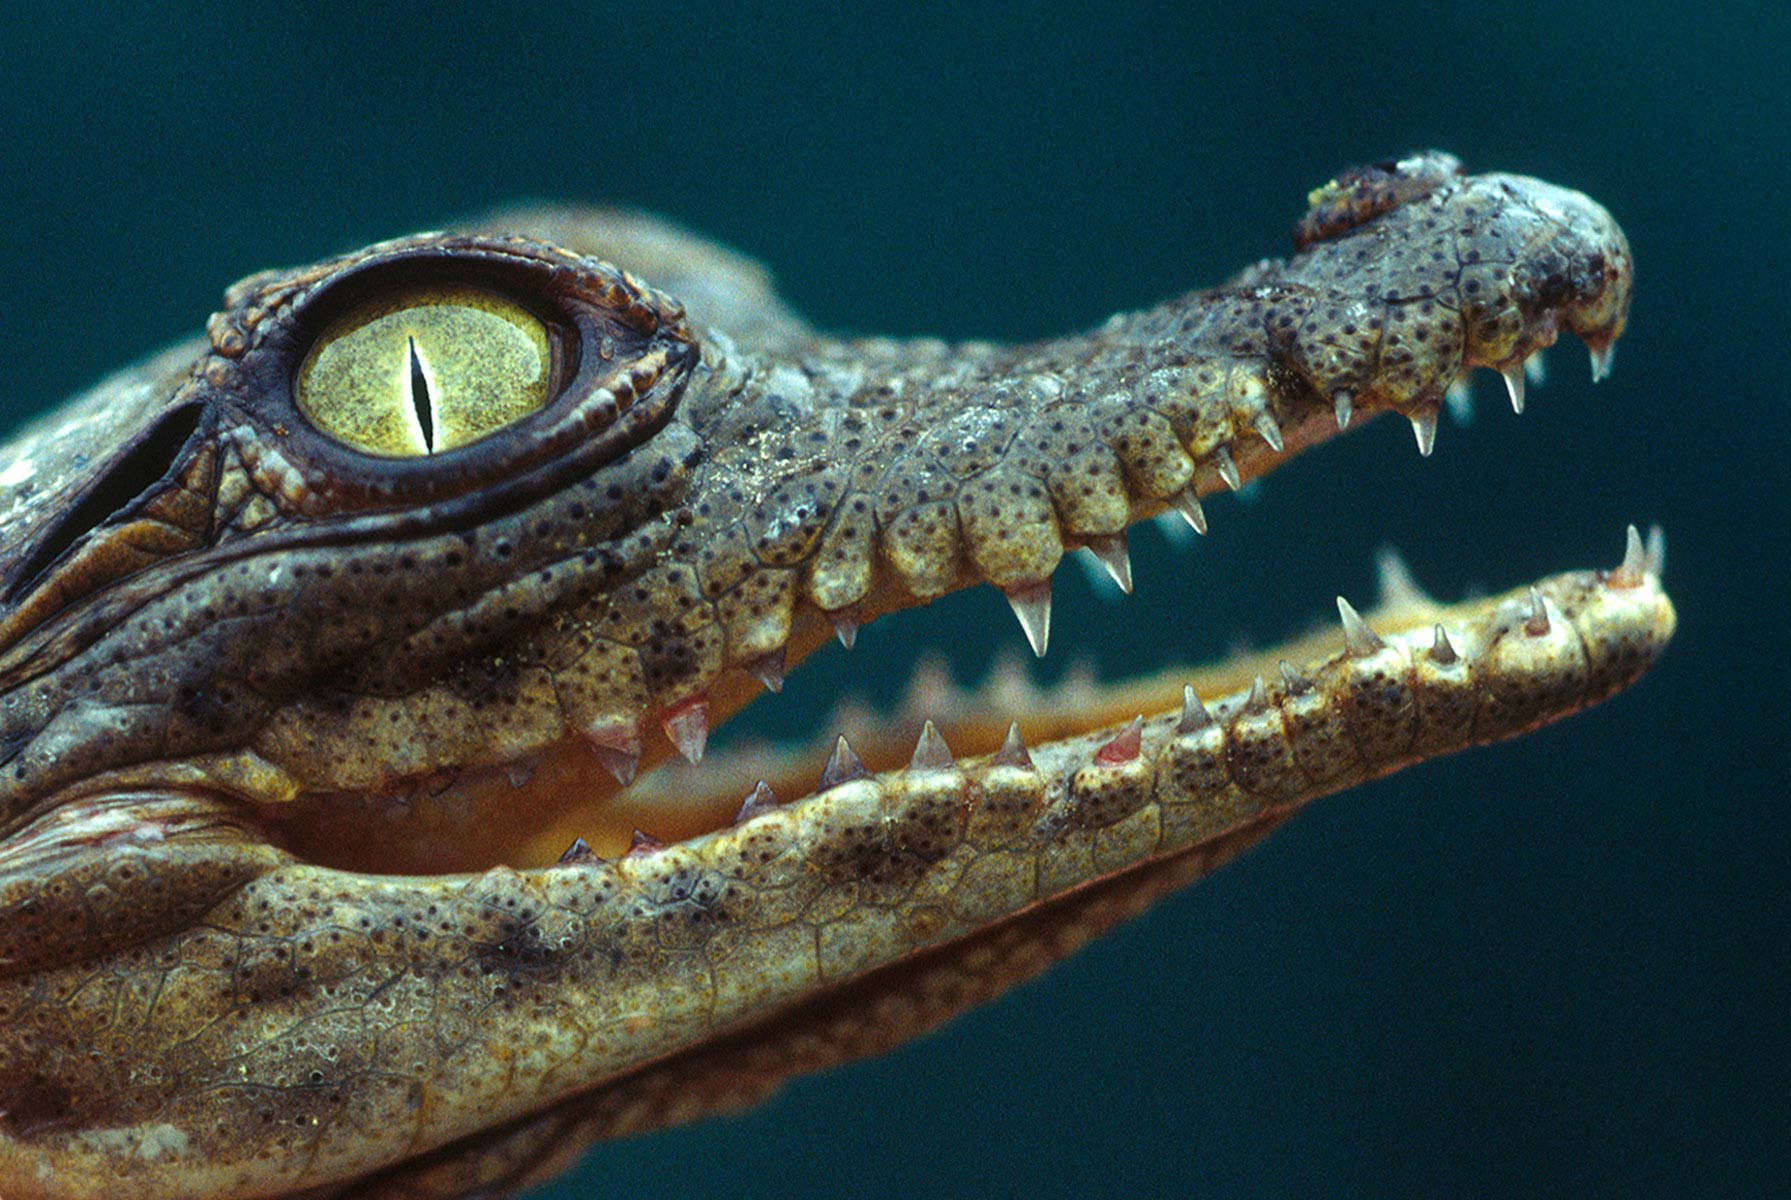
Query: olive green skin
point(218, 684)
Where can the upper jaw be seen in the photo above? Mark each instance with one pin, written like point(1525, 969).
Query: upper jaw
point(1481, 271)
point(756, 524)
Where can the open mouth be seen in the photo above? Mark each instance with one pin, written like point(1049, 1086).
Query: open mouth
point(961, 466)
point(580, 799)
point(375, 816)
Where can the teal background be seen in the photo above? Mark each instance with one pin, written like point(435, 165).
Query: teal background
point(1554, 967)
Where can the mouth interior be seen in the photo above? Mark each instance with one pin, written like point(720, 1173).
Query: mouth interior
point(528, 814)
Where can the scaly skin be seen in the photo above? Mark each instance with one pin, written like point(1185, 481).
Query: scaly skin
point(294, 736)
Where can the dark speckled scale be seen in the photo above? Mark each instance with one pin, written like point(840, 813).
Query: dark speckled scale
point(233, 650)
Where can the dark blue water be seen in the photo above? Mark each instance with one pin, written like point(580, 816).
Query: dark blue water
point(1556, 967)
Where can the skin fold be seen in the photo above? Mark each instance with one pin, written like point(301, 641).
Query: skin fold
point(330, 861)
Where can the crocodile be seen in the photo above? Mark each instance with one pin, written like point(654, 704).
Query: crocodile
point(349, 654)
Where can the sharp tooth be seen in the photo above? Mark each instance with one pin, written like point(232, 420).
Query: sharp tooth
point(1124, 747)
point(1188, 505)
point(519, 774)
point(1295, 679)
point(1536, 369)
point(617, 746)
point(1358, 639)
point(1258, 699)
point(1271, 432)
point(1228, 470)
point(930, 752)
point(844, 628)
point(1657, 551)
point(687, 725)
point(643, 843)
point(1601, 360)
point(1032, 605)
point(1514, 387)
point(770, 669)
point(1194, 713)
point(1459, 396)
point(1013, 750)
point(842, 767)
point(1537, 624)
point(1110, 551)
point(578, 852)
point(1441, 650)
point(1634, 567)
point(1424, 428)
point(621, 764)
point(1344, 405)
point(760, 800)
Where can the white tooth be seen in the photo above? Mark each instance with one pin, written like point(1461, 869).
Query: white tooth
point(844, 628)
point(1358, 638)
point(1032, 605)
point(621, 764)
point(1536, 369)
point(1110, 552)
point(1013, 750)
point(1228, 470)
point(1514, 387)
point(843, 766)
point(1271, 432)
point(1657, 551)
point(1538, 623)
point(1188, 504)
point(1552, 611)
point(1634, 567)
point(1424, 428)
point(1194, 713)
point(687, 728)
point(760, 800)
point(1344, 405)
point(769, 669)
point(1459, 396)
point(1258, 699)
point(930, 752)
point(1601, 361)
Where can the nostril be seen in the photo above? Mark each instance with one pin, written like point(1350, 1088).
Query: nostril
point(1360, 194)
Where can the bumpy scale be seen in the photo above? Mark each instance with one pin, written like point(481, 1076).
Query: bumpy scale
point(333, 860)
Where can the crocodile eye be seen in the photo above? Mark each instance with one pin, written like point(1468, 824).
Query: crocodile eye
point(423, 370)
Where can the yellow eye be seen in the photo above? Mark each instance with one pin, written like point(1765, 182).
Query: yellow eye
point(425, 370)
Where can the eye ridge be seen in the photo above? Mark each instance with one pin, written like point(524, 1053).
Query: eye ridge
point(616, 356)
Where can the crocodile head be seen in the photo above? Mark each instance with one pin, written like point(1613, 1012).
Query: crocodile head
point(337, 652)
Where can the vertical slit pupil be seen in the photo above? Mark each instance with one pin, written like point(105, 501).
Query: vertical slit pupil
point(419, 398)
